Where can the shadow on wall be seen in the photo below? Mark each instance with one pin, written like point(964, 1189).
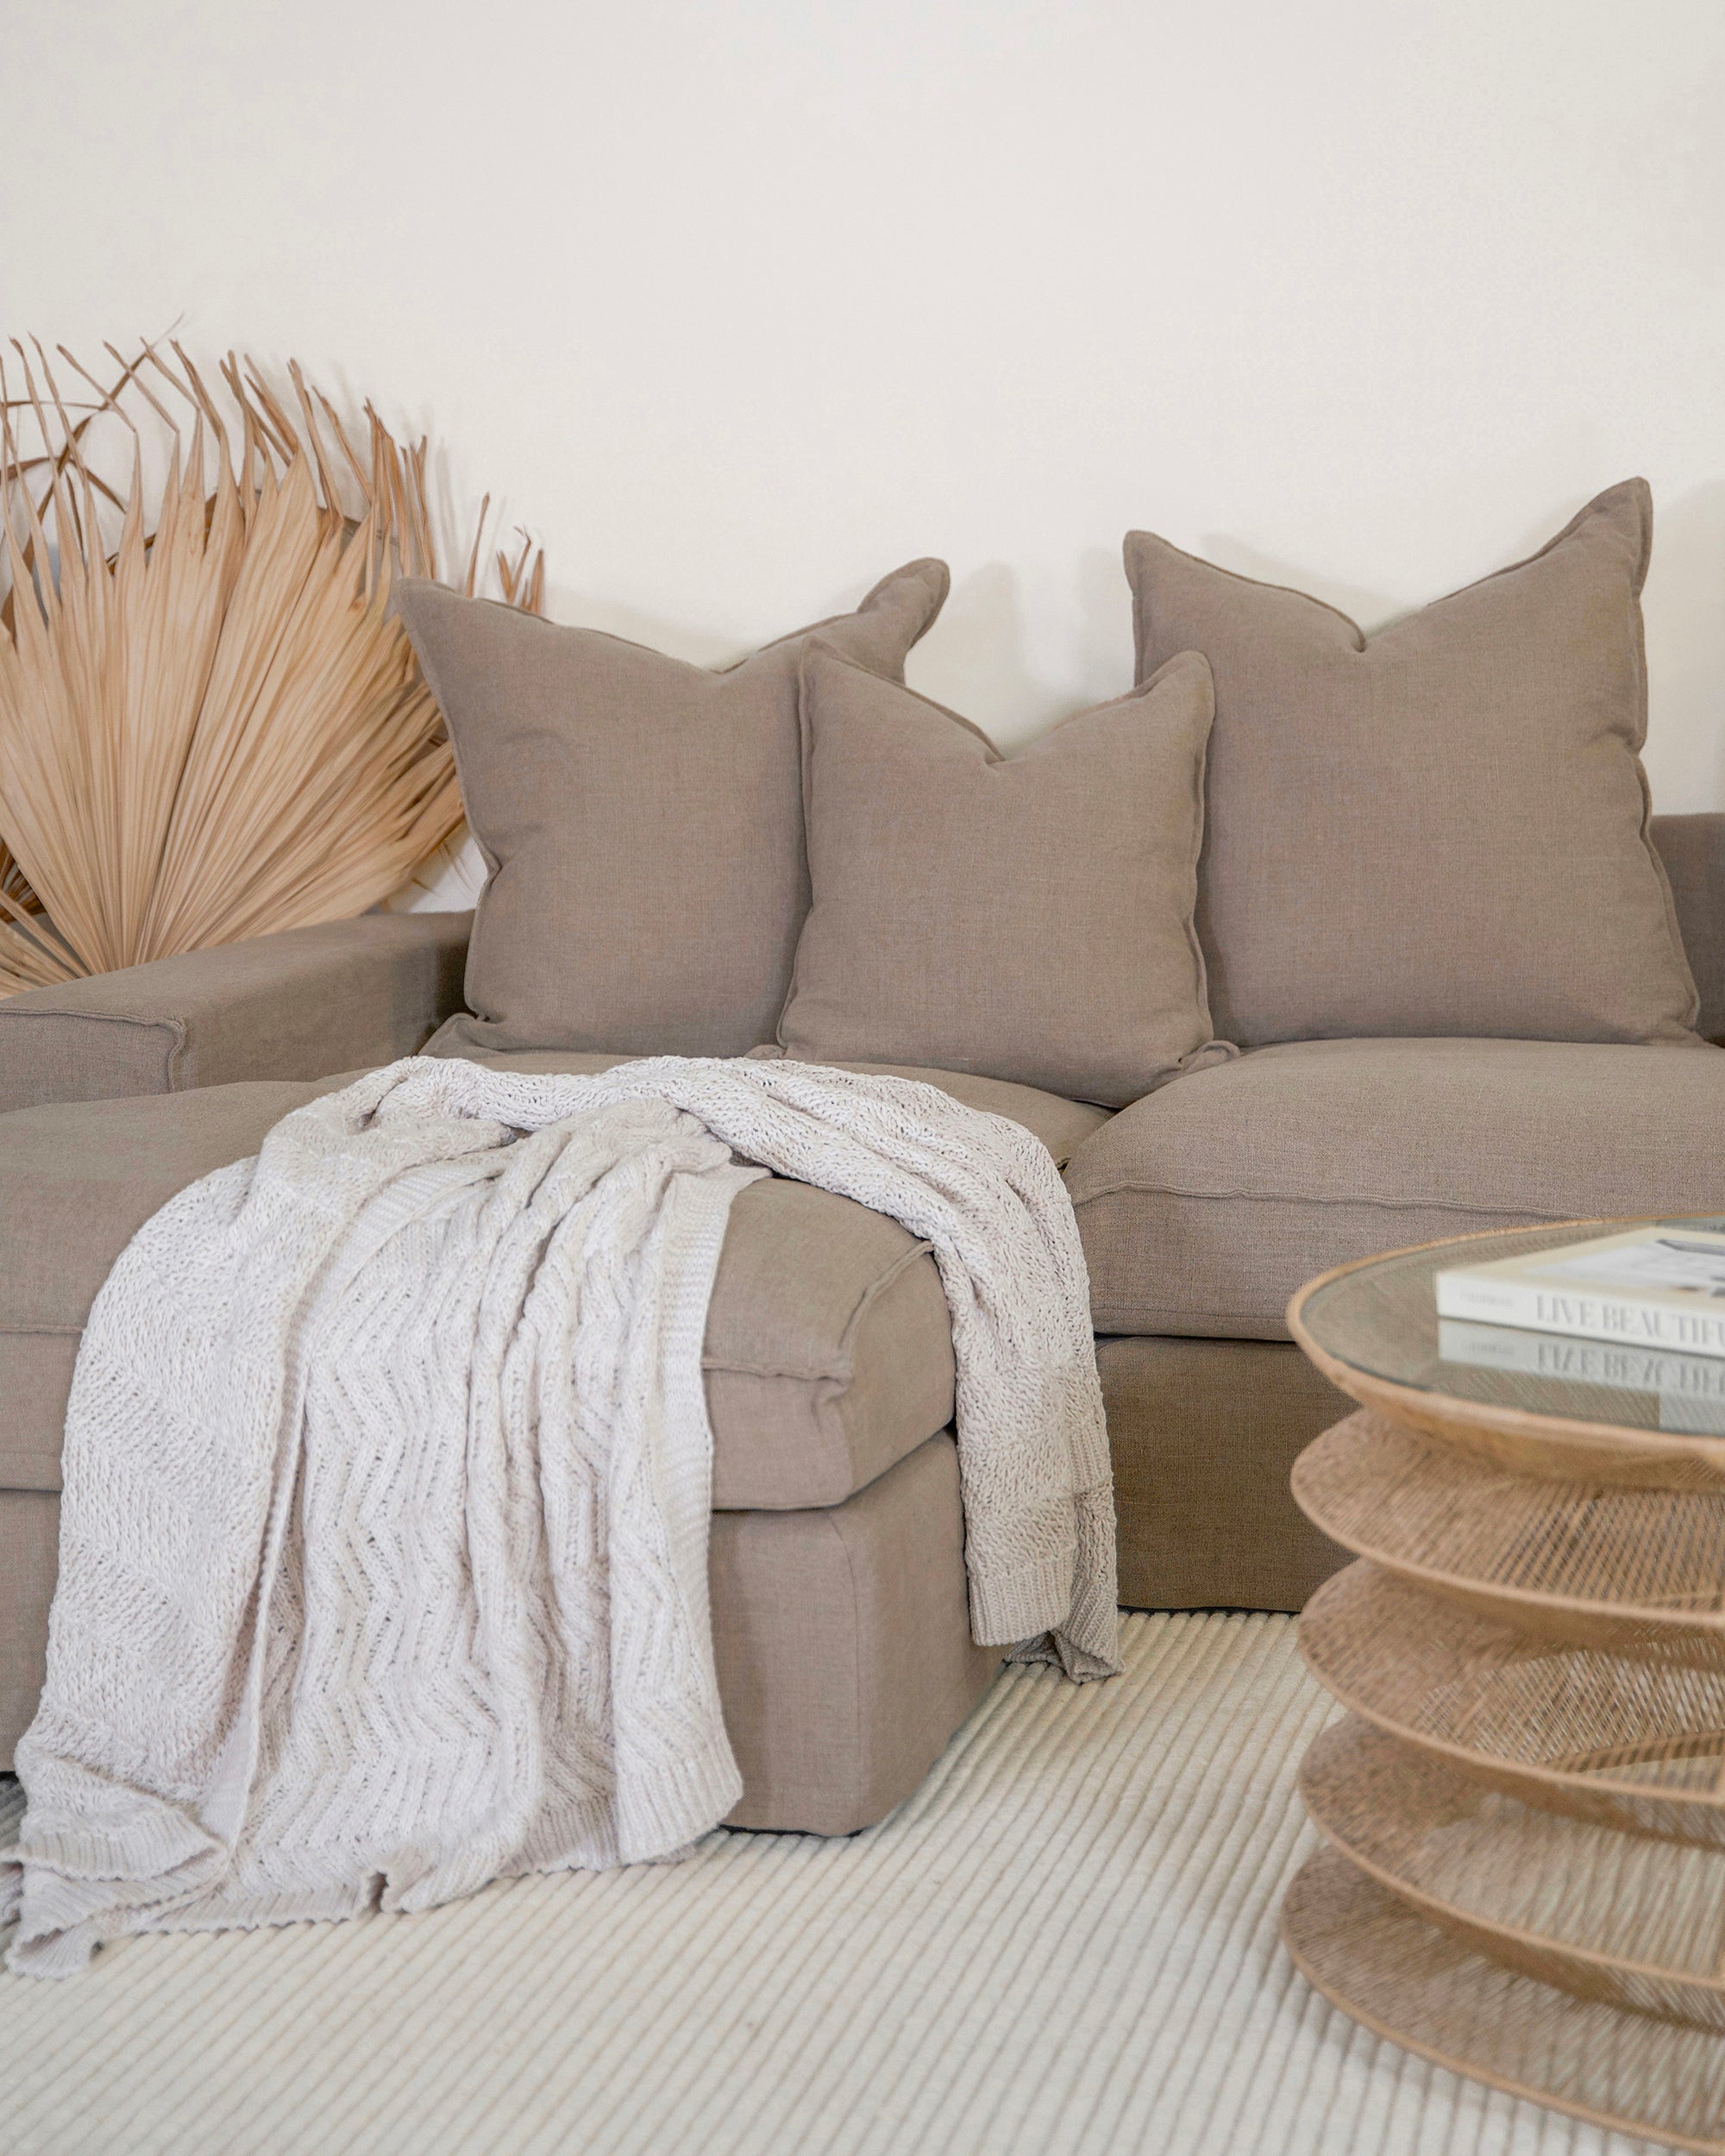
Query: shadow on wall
point(974, 659)
point(979, 659)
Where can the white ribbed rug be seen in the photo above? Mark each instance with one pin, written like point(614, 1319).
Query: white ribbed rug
point(1064, 1942)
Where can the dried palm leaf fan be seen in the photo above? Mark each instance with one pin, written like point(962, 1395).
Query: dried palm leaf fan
point(215, 729)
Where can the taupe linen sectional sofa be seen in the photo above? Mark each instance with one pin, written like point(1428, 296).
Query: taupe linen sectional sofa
point(839, 1592)
point(1237, 1163)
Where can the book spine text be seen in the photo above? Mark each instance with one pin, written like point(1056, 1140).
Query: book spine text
point(1614, 1317)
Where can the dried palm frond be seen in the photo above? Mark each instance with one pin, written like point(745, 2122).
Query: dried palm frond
point(215, 729)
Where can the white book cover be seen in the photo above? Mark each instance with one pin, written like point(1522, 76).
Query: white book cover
point(1659, 1286)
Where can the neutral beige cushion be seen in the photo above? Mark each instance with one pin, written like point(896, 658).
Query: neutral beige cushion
point(641, 820)
point(1205, 1207)
point(1441, 829)
point(829, 1347)
point(1029, 917)
point(292, 1006)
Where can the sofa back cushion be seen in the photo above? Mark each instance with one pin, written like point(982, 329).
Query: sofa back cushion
point(641, 820)
point(1029, 917)
point(1441, 829)
point(1691, 850)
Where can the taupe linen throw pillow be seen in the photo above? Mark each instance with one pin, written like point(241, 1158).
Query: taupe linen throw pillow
point(1027, 918)
point(641, 820)
point(1441, 829)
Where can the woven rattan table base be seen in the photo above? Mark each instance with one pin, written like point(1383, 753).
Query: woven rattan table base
point(1524, 1808)
point(1434, 1992)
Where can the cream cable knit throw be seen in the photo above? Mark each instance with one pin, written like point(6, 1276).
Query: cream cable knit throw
point(383, 1544)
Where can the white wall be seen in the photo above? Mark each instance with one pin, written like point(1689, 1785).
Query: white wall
point(741, 304)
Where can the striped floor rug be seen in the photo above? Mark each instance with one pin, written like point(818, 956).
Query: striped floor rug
point(1065, 1942)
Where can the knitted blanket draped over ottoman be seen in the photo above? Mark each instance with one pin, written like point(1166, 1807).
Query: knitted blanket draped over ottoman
point(387, 1474)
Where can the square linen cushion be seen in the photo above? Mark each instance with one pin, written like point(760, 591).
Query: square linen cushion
point(1441, 829)
point(641, 821)
point(1029, 918)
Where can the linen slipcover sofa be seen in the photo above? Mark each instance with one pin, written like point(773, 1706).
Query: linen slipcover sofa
point(839, 1609)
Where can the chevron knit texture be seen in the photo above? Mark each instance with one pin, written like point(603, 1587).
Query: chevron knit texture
point(387, 1468)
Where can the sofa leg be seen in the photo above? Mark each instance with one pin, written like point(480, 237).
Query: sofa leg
point(842, 1642)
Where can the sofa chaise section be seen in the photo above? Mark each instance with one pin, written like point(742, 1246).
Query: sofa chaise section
point(828, 1353)
point(840, 1612)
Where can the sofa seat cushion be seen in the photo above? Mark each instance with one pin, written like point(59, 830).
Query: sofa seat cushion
point(1204, 1206)
point(1062, 1125)
point(828, 1354)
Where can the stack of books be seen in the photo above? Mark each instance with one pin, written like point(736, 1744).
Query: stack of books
point(1642, 1312)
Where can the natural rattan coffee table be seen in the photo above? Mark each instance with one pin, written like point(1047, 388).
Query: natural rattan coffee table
point(1524, 1807)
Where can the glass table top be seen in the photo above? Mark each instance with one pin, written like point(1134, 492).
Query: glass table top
point(1382, 1319)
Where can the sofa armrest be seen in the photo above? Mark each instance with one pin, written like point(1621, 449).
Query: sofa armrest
point(346, 995)
point(1693, 849)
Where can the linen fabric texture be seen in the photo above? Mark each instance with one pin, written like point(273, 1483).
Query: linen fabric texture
point(1203, 1208)
point(341, 996)
point(1028, 917)
point(1441, 829)
point(640, 818)
point(396, 1432)
point(1691, 850)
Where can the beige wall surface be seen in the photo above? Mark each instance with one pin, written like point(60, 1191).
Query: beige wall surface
point(738, 305)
